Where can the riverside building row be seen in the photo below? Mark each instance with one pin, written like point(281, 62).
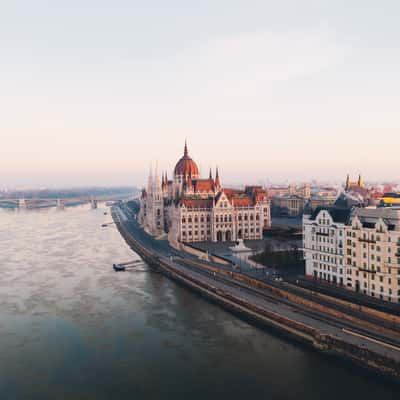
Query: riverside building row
point(357, 248)
point(189, 208)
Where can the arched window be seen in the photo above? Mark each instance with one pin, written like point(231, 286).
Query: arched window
point(240, 217)
point(226, 218)
point(183, 220)
point(257, 217)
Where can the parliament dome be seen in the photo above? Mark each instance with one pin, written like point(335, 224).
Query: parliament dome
point(186, 166)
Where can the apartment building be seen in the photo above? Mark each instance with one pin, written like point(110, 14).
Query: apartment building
point(357, 248)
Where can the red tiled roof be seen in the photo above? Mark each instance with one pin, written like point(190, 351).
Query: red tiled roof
point(232, 192)
point(261, 196)
point(242, 201)
point(196, 203)
point(203, 185)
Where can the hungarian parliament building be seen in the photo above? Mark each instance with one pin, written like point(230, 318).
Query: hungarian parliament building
point(189, 208)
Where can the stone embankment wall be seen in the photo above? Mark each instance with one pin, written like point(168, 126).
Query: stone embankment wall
point(394, 320)
point(361, 356)
point(294, 329)
point(284, 294)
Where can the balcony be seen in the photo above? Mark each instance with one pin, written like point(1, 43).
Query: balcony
point(370, 271)
point(366, 240)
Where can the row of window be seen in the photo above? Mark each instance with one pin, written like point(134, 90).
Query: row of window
point(372, 247)
point(324, 249)
point(326, 267)
point(323, 221)
point(381, 288)
point(372, 266)
point(224, 218)
point(323, 239)
point(327, 258)
point(220, 218)
point(195, 219)
point(327, 277)
point(195, 233)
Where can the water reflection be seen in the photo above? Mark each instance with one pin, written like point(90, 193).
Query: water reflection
point(73, 328)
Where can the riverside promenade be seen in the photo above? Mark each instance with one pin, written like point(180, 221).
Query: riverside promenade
point(369, 340)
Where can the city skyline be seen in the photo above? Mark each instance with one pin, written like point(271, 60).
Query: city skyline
point(271, 92)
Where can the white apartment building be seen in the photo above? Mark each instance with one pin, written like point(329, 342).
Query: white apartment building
point(323, 241)
point(358, 248)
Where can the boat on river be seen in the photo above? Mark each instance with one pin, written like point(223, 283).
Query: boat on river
point(118, 267)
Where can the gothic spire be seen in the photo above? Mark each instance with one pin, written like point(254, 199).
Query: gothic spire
point(166, 181)
point(217, 181)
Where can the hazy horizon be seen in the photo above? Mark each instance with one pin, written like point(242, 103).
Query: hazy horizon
point(92, 92)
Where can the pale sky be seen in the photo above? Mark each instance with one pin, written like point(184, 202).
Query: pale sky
point(92, 91)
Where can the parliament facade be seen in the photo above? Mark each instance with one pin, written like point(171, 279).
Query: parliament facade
point(189, 208)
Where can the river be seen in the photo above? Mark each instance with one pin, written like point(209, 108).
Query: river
point(72, 328)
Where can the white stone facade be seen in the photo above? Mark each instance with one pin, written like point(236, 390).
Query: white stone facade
point(369, 259)
point(191, 209)
point(218, 219)
point(152, 211)
point(324, 247)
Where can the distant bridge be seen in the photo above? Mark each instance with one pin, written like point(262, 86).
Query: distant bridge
point(61, 202)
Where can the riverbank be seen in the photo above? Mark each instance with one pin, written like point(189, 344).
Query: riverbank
point(234, 292)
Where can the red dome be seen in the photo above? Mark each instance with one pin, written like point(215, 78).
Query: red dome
point(186, 166)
